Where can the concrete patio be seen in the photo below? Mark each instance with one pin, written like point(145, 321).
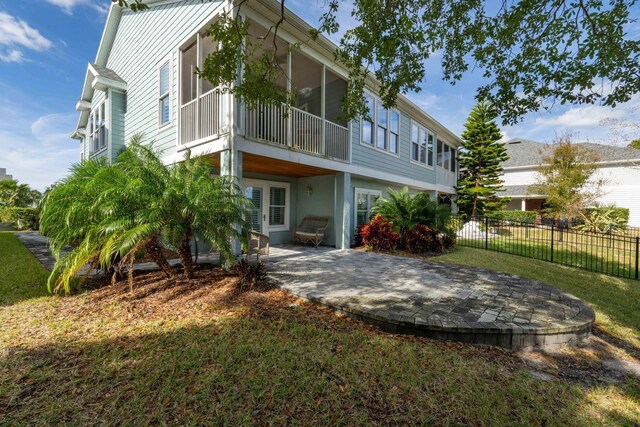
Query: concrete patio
point(442, 301)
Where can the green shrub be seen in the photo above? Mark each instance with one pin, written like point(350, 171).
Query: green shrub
point(618, 215)
point(22, 218)
point(528, 217)
point(604, 220)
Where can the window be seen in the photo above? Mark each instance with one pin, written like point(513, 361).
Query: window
point(421, 145)
point(365, 200)
point(381, 133)
point(164, 98)
point(446, 157)
point(277, 206)
point(97, 129)
point(382, 128)
point(367, 125)
point(394, 131)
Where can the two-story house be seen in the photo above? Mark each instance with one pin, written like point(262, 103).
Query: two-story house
point(618, 169)
point(306, 162)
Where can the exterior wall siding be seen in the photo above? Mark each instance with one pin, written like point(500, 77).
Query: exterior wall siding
point(365, 155)
point(145, 39)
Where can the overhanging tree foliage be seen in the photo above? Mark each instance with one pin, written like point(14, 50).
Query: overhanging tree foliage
point(566, 178)
point(532, 53)
point(481, 159)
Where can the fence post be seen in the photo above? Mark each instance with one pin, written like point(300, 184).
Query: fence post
point(486, 233)
point(637, 255)
point(552, 228)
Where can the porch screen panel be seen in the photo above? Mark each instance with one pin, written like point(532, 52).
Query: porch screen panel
point(335, 91)
point(188, 77)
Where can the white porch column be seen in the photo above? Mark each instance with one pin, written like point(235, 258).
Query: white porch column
point(343, 210)
point(231, 165)
point(523, 205)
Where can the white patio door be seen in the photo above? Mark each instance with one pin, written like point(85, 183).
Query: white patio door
point(257, 215)
point(271, 205)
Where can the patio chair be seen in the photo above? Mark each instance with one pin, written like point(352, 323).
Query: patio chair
point(257, 244)
point(311, 230)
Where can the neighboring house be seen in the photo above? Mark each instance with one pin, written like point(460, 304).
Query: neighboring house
point(4, 176)
point(308, 162)
point(619, 167)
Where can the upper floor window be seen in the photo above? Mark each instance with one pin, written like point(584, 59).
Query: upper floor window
point(446, 157)
point(421, 145)
point(97, 128)
point(164, 94)
point(382, 128)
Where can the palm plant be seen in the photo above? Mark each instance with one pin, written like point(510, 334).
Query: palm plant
point(110, 212)
point(404, 211)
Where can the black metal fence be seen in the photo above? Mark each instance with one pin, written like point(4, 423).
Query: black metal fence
point(614, 253)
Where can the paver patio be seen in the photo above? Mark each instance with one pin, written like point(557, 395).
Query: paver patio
point(443, 301)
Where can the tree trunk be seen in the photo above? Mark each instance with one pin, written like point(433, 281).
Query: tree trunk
point(185, 253)
point(155, 252)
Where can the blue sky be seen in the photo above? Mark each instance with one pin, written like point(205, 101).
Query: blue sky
point(45, 46)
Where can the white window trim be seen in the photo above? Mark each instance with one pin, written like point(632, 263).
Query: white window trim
point(89, 136)
point(267, 195)
point(166, 61)
point(357, 191)
point(433, 149)
point(374, 128)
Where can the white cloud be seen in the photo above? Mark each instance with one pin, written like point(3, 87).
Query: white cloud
point(583, 116)
point(12, 55)
point(16, 32)
point(15, 35)
point(68, 6)
point(34, 146)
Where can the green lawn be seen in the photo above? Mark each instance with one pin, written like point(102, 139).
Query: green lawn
point(614, 255)
point(204, 354)
point(21, 275)
point(616, 300)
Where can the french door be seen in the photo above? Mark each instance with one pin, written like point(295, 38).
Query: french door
point(271, 204)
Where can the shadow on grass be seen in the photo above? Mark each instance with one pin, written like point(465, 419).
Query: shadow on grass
point(244, 371)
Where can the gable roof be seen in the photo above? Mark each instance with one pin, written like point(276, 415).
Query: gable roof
point(524, 152)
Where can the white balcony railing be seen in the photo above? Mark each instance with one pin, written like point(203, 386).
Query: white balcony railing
point(445, 177)
point(202, 117)
point(298, 130)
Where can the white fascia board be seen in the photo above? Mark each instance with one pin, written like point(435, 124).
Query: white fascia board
point(83, 105)
point(103, 83)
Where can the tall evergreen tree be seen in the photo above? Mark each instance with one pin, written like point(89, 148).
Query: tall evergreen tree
point(481, 160)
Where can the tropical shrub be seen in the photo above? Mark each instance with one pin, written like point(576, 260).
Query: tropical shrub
point(404, 210)
point(358, 235)
point(108, 213)
point(16, 195)
point(251, 274)
point(605, 221)
point(379, 234)
point(617, 214)
point(421, 239)
point(23, 218)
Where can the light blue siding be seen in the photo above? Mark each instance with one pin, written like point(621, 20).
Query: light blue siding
point(366, 155)
point(118, 109)
point(143, 40)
